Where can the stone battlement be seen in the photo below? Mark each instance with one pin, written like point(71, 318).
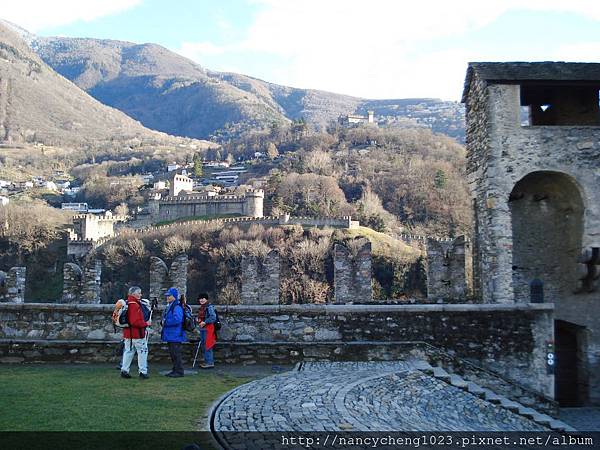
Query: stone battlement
point(344, 222)
point(98, 218)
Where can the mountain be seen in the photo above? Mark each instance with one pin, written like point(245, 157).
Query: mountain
point(39, 105)
point(168, 92)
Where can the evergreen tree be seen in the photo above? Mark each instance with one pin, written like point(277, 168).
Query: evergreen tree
point(198, 171)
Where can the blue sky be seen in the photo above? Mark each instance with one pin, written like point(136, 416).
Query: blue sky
point(375, 49)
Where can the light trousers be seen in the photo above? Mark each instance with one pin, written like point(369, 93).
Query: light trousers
point(131, 347)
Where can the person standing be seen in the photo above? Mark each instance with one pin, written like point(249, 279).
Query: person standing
point(208, 336)
point(173, 332)
point(135, 335)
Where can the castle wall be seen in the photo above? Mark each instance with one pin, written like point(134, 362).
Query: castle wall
point(162, 277)
point(260, 279)
point(82, 285)
point(172, 208)
point(13, 285)
point(449, 273)
point(352, 273)
point(509, 339)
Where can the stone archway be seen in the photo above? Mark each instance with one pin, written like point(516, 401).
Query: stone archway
point(547, 227)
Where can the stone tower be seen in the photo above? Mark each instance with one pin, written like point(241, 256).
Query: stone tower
point(533, 162)
point(254, 202)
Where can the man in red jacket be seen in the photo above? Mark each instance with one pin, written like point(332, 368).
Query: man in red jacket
point(135, 335)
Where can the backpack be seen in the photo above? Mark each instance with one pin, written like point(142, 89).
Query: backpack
point(217, 320)
point(120, 315)
point(189, 322)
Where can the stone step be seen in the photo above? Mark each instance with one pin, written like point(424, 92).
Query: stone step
point(421, 365)
point(475, 389)
point(559, 425)
point(492, 397)
point(440, 373)
point(457, 381)
point(542, 418)
point(509, 404)
point(527, 412)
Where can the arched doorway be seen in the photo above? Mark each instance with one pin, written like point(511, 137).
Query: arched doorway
point(547, 226)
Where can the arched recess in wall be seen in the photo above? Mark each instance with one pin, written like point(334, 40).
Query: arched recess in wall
point(547, 227)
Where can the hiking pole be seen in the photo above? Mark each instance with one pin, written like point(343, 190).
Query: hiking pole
point(196, 356)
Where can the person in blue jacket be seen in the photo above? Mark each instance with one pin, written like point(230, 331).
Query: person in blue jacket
point(173, 332)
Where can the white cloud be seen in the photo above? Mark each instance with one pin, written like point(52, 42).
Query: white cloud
point(376, 48)
point(36, 15)
point(578, 52)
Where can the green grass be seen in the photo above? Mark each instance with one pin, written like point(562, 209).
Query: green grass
point(84, 398)
point(383, 244)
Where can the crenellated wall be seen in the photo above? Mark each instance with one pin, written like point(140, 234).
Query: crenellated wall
point(449, 269)
point(260, 279)
point(352, 272)
point(176, 207)
point(82, 285)
point(163, 277)
point(12, 285)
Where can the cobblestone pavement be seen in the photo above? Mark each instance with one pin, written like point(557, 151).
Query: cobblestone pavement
point(584, 419)
point(387, 396)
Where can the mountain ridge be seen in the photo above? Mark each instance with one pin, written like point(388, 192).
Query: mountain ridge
point(168, 92)
point(38, 105)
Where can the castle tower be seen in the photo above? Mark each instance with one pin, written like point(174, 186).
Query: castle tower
point(180, 183)
point(254, 203)
point(371, 116)
point(533, 146)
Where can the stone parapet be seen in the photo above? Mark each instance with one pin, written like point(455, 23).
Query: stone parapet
point(509, 340)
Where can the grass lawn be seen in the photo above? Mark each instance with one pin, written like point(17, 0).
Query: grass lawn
point(95, 398)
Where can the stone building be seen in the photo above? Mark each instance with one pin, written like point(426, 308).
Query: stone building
point(180, 183)
point(536, 195)
point(89, 230)
point(356, 119)
point(171, 208)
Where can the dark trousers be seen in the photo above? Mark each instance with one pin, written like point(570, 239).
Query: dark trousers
point(175, 352)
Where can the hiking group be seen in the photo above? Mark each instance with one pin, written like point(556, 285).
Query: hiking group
point(134, 315)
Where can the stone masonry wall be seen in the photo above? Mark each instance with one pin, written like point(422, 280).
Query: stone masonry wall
point(352, 272)
point(260, 279)
point(449, 275)
point(82, 285)
point(510, 339)
point(13, 285)
point(162, 278)
point(501, 153)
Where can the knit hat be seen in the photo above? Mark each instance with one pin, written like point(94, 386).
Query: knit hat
point(174, 292)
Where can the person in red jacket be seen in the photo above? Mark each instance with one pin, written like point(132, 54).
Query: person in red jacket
point(135, 335)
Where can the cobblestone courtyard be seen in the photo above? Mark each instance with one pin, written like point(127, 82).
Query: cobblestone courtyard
point(370, 396)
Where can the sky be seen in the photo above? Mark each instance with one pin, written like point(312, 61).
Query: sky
point(372, 49)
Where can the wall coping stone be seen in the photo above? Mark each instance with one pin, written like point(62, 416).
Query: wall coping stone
point(306, 308)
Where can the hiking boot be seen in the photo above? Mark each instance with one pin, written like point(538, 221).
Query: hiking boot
point(174, 375)
point(144, 376)
point(207, 366)
point(125, 374)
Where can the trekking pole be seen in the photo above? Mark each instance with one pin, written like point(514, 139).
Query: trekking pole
point(197, 350)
